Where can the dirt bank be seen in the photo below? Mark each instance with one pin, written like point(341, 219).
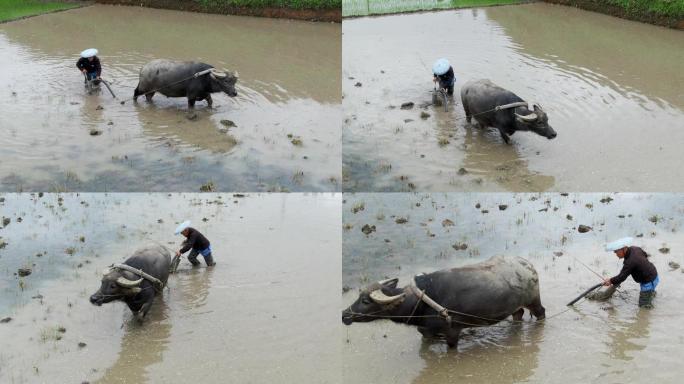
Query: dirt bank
point(613, 10)
point(329, 15)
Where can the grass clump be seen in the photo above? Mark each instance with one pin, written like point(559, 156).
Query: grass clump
point(16, 9)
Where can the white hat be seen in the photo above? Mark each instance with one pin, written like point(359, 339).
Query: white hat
point(619, 244)
point(90, 52)
point(184, 225)
point(440, 67)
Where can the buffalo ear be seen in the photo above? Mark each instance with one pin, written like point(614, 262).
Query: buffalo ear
point(391, 283)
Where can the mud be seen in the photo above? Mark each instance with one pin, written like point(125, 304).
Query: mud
point(595, 76)
point(594, 341)
point(289, 85)
point(249, 319)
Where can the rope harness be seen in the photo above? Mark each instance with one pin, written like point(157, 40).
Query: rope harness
point(156, 283)
point(431, 303)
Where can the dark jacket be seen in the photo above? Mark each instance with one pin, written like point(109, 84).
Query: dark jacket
point(195, 241)
point(636, 264)
point(89, 66)
point(446, 80)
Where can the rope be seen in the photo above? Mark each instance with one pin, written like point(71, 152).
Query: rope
point(497, 108)
point(373, 314)
point(196, 75)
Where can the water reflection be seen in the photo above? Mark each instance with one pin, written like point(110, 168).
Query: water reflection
point(486, 156)
point(629, 336)
point(508, 354)
point(143, 345)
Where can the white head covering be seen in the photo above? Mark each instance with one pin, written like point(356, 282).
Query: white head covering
point(619, 244)
point(182, 226)
point(90, 52)
point(440, 67)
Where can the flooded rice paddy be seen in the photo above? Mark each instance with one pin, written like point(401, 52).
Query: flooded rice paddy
point(287, 112)
point(249, 319)
point(612, 341)
point(612, 90)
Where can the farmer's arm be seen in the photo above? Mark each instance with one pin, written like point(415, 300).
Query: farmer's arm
point(624, 273)
point(189, 243)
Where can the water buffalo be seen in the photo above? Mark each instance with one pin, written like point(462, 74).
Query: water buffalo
point(167, 77)
point(137, 292)
point(481, 97)
point(474, 295)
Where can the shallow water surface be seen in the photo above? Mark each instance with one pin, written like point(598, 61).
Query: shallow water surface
point(612, 89)
point(593, 341)
point(288, 88)
point(262, 314)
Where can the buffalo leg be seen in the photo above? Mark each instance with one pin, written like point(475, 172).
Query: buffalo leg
point(467, 113)
point(505, 137)
point(452, 335)
point(149, 97)
point(136, 93)
point(210, 102)
point(518, 315)
point(191, 103)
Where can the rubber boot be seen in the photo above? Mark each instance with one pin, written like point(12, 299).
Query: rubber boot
point(192, 258)
point(646, 299)
point(209, 259)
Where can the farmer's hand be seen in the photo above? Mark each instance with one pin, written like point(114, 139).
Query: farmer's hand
point(606, 282)
point(83, 71)
point(178, 254)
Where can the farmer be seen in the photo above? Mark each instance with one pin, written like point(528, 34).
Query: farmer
point(195, 241)
point(636, 264)
point(444, 74)
point(89, 65)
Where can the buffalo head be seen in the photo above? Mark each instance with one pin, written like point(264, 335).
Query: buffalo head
point(223, 82)
point(374, 301)
point(116, 285)
point(536, 122)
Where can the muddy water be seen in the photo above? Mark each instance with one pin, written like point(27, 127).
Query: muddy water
point(612, 89)
point(250, 319)
point(289, 87)
point(595, 342)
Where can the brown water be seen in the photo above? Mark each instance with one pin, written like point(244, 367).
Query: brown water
point(289, 85)
point(612, 89)
point(594, 342)
point(262, 314)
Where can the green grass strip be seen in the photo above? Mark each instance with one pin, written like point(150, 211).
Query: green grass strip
point(294, 4)
point(667, 8)
point(378, 7)
point(16, 9)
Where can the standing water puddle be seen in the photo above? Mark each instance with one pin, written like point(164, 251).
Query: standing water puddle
point(288, 88)
point(249, 319)
point(612, 89)
point(594, 342)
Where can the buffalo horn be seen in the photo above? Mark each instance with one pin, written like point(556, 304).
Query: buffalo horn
point(106, 271)
point(218, 74)
point(379, 297)
point(530, 117)
point(124, 282)
point(388, 282)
